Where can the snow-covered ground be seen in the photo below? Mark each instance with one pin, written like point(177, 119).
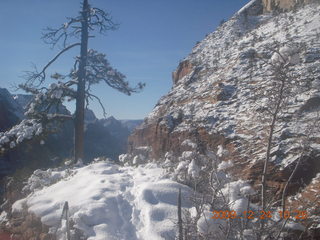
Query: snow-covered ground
point(112, 202)
point(107, 201)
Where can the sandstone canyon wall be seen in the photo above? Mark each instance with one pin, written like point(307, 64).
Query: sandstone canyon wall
point(219, 100)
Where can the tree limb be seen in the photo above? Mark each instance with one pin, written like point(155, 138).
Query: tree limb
point(42, 75)
point(97, 98)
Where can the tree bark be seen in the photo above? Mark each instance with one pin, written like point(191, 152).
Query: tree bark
point(80, 100)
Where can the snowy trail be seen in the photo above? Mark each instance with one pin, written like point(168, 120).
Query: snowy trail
point(110, 202)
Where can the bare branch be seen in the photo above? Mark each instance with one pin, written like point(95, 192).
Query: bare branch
point(99, 69)
point(57, 116)
point(98, 99)
point(41, 76)
point(97, 20)
point(54, 35)
point(101, 20)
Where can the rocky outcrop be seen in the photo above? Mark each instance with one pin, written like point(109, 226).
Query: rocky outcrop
point(276, 5)
point(24, 225)
point(218, 99)
point(184, 68)
point(162, 140)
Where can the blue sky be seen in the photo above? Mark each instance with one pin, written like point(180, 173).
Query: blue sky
point(154, 35)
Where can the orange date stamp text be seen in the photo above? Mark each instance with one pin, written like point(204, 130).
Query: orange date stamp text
point(296, 214)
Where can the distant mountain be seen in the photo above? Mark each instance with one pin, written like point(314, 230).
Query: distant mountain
point(107, 137)
point(22, 99)
point(12, 112)
point(31, 154)
point(120, 128)
point(89, 116)
point(104, 137)
point(131, 124)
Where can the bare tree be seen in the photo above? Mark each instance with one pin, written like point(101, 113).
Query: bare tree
point(280, 86)
point(89, 68)
point(278, 96)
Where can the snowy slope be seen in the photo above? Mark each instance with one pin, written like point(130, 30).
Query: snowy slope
point(223, 94)
point(107, 201)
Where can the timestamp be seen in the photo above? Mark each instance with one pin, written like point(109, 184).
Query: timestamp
point(296, 214)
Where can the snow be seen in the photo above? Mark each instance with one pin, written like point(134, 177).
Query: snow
point(107, 201)
point(193, 169)
point(21, 132)
point(295, 226)
point(221, 152)
point(124, 158)
point(3, 216)
point(207, 226)
point(139, 159)
point(236, 193)
point(57, 94)
point(56, 90)
point(286, 54)
point(189, 143)
point(247, 6)
point(140, 202)
point(225, 98)
point(224, 165)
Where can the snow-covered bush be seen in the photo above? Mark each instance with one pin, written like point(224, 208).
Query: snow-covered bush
point(44, 114)
point(236, 193)
point(189, 143)
point(193, 169)
point(133, 159)
point(124, 158)
point(43, 178)
point(224, 165)
point(139, 159)
point(25, 130)
point(286, 54)
point(210, 228)
point(188, 167)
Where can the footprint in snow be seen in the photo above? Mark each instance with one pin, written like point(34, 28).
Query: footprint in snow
point(149, 197)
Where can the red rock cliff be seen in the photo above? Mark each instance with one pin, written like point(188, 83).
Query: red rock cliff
point(183, 69)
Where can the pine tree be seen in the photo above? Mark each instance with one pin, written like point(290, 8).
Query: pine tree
point(91, 67)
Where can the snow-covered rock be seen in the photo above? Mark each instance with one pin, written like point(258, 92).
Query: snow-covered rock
point(223, 90)
point(106, 200)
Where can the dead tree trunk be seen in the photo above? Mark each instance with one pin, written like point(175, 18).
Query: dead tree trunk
point(180, 216)
point(270, 138)
point(80, 100)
